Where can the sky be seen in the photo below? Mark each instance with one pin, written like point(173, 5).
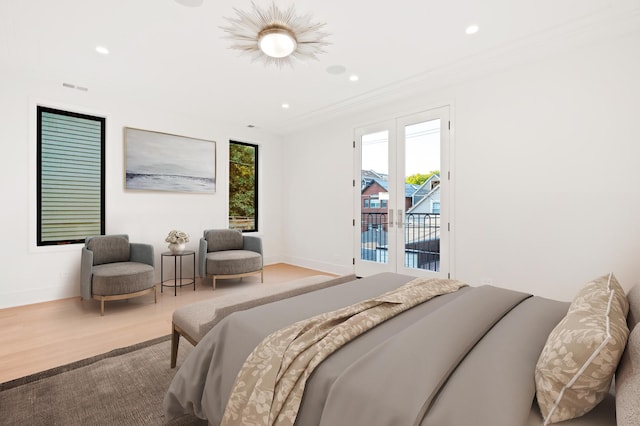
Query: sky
point(422, 151)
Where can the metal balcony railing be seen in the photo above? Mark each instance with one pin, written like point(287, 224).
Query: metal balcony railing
point(421, 239)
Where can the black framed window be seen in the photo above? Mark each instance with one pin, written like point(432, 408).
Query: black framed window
point(70, 169)
point(243, 186)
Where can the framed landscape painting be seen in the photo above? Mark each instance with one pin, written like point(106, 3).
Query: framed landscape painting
point(162, 162)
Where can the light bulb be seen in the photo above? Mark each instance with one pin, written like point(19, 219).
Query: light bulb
point(277, 42)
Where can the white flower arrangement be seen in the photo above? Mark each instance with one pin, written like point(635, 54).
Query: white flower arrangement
point(177, 237)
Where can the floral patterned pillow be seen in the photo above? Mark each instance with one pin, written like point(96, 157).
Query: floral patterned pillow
point(580, 357)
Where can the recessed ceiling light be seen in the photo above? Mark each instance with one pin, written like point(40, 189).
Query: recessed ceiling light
point(102, 50)
point(353, 77)
point(285, 106)
point(472, 29)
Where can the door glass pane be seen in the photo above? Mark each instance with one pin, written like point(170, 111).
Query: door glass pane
point(374, 197)
point(422, 196)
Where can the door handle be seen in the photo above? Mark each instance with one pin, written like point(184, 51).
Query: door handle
point(400, 221)
point(390, 218)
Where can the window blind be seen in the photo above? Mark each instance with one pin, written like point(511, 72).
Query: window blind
point(71, 172)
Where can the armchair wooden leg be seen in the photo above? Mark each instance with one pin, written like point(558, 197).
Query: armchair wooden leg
point(155, 294)
point(262, 275)
point(102, 307)
point(213, 279)
point(175, 341)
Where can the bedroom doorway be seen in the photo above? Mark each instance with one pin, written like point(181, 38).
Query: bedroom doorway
point(402, 197)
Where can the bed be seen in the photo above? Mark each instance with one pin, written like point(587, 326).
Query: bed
point(465, 357)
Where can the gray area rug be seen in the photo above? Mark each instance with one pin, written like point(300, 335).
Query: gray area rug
point(122, 387)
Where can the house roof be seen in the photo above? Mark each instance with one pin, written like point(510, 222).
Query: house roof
point(409, 189)
point(424, 199)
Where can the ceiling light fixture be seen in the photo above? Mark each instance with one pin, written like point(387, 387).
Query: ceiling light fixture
point(353, 77)
point(102, 50)
point(277, 42)
point(275, 36)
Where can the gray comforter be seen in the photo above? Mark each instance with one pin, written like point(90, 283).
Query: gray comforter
point(463, 358)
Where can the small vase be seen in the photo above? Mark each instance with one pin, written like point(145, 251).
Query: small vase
point(176, 247)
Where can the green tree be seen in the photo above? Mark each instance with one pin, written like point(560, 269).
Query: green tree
point(420, 178)
point(241, 180)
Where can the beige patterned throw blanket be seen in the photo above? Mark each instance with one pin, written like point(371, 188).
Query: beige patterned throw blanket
point(268, 389)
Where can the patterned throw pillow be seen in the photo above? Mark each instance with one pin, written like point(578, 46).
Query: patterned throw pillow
point(580, 357)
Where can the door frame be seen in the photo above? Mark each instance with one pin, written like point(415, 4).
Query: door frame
point(364, 268)
point(369, 268)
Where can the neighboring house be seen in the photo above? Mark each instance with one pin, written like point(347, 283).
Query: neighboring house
point(374, 191)
point(422, 227)
point(422, 220)
point(410, 191)
point(374, 196)
point(427, 198)
point(372, 174)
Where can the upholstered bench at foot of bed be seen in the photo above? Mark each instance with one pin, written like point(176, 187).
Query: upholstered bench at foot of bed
point(193, 321)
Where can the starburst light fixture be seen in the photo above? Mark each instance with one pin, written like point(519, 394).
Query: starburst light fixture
point(275, 36)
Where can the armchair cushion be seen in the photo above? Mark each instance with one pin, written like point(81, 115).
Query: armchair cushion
point(109, 249)
point(121, 278)
point(223, 239)
point(233, 262)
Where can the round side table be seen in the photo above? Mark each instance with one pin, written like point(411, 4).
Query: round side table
point(178, 280)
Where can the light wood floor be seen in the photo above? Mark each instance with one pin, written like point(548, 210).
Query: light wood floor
point(46, 335)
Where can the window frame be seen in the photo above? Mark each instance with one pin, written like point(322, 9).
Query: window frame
point(40, 109)
point(255, 184)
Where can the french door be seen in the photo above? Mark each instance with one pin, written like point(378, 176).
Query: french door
point(402, 201)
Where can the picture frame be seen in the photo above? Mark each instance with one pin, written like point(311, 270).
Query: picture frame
point(156, 161)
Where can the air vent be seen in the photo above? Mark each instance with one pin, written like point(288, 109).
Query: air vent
point(73, 86)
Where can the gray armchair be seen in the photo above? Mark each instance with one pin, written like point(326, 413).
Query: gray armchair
point(112, 268)
point(227, 253)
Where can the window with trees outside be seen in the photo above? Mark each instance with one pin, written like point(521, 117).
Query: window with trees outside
point(70, 176)
point(243, 186)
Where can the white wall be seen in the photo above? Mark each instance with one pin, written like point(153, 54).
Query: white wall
point(31, 274)
point(546, 174)
point(555, 143)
